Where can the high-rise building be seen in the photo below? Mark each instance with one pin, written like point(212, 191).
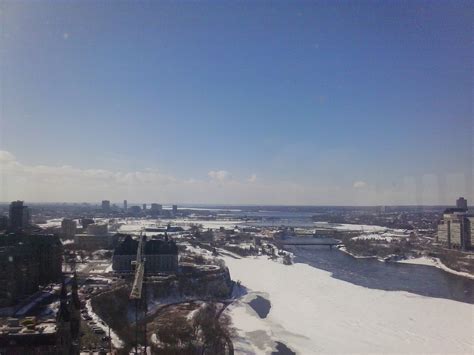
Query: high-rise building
point(125, 205)
point(175, 209)
point(455, 228)
point(68, 228)
point(19, 215)
point(461, 202)
point(27, 261)
point(106, 205)
point(144, 207)
point(156, 208)
point(3, 222)
point(135, 210)
point(161, 255)
point(85, 222)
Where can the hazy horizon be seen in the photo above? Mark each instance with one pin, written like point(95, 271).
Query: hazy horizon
point(200, 205)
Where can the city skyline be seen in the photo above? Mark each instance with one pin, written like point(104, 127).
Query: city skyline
point(298, 104)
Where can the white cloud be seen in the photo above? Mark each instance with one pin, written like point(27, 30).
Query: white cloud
point(6, 156)
point(46, 183)
point(359, 185)
point(252, 178)
point(219, 175)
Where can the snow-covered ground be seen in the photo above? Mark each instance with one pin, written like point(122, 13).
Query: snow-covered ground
point(313, 313)
point(137, 225)
point(363, 228)
point(373, 236)
point(385, 236)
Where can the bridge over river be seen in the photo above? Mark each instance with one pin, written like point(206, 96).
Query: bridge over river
point(311, 241)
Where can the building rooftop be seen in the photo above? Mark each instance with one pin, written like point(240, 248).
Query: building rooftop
point(152, 247)
point(127, 247)
point(160, 247)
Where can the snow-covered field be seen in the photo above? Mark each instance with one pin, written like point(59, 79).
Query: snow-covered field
point(313, 313)
point(137, 225)
point(363, 228)
point(385, 236)
point(373, 236)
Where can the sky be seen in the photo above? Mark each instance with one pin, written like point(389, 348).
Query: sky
point(241, 102)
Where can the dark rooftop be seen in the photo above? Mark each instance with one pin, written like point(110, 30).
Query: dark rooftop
point(160, 247)
point(152, 247)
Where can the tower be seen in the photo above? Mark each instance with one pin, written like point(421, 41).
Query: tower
point(461, 202)
point(19, 215)
point(106, 205)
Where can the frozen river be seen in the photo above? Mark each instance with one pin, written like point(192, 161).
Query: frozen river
point(329, 302)
point(419, 279)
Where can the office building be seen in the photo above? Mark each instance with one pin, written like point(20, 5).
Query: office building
point(97, 229)
point(461, 203)
point(160, 255)
point(455, 228)
point(85, 222)
point(68, 228)
point(106, 205)
point(3, 223)
point(175, 209)
point(95, 237)
point(93, 242)
point(135, 210)
point(27, 261)
point(125, 205)
point(19, 215)
point(156, 208)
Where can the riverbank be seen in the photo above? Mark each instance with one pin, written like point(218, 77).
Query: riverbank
point(435, 262)
point(421, 260)
point(312, 313)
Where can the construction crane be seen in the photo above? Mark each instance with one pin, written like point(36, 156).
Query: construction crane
point(138, 290)
point(137, 287)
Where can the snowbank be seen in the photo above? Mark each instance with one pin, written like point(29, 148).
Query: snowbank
point(313, 313)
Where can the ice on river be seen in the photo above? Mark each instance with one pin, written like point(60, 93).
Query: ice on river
point(313, 313)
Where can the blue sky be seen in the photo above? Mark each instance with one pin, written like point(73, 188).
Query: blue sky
point(253, 102)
